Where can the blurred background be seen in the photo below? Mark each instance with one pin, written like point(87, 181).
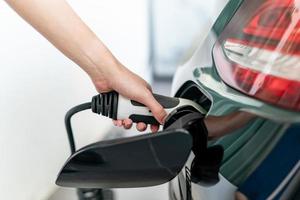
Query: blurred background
point(38, 85)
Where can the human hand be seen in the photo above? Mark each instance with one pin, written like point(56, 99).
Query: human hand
point(58, 22)
point(133, 87)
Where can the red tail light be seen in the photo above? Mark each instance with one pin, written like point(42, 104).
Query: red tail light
point(258, 53)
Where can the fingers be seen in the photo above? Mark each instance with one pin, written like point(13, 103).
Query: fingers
point(136, 88)
point(154, 128)
point(158, 111)
point(118, 123)
point(127, 123)
point(148, 86)
point(141, 126)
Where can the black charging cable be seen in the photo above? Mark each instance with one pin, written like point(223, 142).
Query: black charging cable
point(68, 116)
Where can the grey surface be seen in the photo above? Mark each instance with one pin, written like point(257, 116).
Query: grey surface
point(152, 193)
point(64, 194)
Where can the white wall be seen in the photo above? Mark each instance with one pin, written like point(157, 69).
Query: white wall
point(38, 85)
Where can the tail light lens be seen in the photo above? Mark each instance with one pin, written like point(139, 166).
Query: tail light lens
point(258, 53)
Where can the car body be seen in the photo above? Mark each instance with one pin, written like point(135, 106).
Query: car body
point(259, 133)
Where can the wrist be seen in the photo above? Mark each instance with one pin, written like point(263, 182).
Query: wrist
point(103, 80)
point(104, 75)
point(105, 70)
point(102, 65)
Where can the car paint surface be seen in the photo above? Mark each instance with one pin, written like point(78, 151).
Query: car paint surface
point(248, 146)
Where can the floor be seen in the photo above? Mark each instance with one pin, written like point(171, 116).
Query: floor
point(152, 193)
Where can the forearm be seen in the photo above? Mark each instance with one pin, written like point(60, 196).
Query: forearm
point(56, 21)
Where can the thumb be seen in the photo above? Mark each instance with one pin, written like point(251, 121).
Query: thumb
point(158, 111)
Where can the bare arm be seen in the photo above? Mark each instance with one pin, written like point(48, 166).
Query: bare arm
point(56, 21)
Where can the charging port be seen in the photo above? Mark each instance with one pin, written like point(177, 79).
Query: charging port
point(207, 161)
point(191, 91)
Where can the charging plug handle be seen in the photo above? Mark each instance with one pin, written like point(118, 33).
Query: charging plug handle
point(106, 104)
point(182, 114)
point(116, 106)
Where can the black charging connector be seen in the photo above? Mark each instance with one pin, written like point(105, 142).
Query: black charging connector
point(182, 114)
